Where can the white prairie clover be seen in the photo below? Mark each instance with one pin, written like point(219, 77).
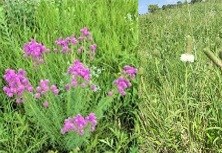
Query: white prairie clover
point(187, 57)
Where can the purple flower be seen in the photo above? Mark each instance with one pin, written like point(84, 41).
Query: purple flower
point(73, 40)
point(35, 50)
point(78, 70)
point(74, 82)
point(94, 87)
point(67, 87)
point(122, 84)
point(92, 120)
point(54, 89)
point(44, 87)
point(85, 31)
point(129, 70)
point(46, 104)
point(19, 100)
point(17, 84)
point(110, 93)
point(65, 43)
point(37, 95)
point(93, 48)
point(68, 126)
point(78, 124)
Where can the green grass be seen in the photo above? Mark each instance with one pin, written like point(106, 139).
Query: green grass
point(180, 108)
point(117, 39)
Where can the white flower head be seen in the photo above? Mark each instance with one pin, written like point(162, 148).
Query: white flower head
point(187, 57)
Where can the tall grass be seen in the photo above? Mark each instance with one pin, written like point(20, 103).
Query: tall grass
point(116, 35)
point(180, 103)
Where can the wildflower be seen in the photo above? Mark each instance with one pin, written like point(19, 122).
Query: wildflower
point(78, 124)
point(122, 84)
point(65, 43)
point(73, 40)
point(129, 70)
point(78, 70)
point(46, 104)
point(91, 118)
point(187, 57)
point(67, 87)
point(37, 95)
point(54, 89)
point(44, 87)
point(110, 93)
point(74, 82)
point(19, 100)
point(17, 84)
point(68, 126)
point(94, 87)
point(93, 48)
point(85, 31)
point(35, 50)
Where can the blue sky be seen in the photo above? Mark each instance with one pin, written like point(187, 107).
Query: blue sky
point(143, 4)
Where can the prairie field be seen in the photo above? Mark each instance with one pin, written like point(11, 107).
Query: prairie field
point(68, 76)
point(180, 102)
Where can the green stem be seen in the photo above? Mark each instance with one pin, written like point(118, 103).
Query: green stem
point(213, 58)
point(187, 103)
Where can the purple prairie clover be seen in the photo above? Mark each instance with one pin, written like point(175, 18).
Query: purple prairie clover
point(93, 51)
point(44, 87)
point(95, 87)
point(65, 49)
point(110, 93)
point(77, 69)
point(130, 71)
point(67, 87)
point(19, 100)
point(65, 43)
point(54, 89)
point(93, 48)
point(62, 42)
point(73, 40)
point(46, 104)
point(78, 124)
point(68, 126)
point(91, 119)
point(74, 82)
point(85, 32)
point(35, 50)
point(37, 95)
point(17, 83)
point(122, 84)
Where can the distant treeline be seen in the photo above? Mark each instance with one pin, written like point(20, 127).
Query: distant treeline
point(154, 7)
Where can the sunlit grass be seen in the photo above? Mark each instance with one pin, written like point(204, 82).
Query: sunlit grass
point(180, 103)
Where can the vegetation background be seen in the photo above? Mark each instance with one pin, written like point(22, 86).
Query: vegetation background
point(180, 102)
